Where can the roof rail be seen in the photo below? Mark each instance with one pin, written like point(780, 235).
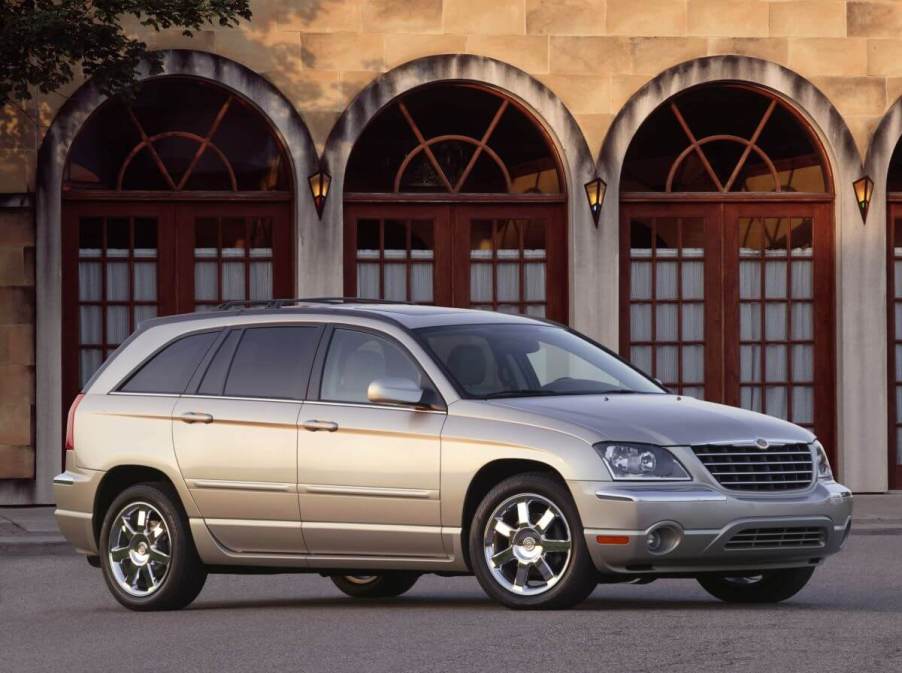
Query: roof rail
point(280, 303)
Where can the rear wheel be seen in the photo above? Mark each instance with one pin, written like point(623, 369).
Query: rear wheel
point(771, 586)
point(527, 547)
point(147, 555)
point(387, 585)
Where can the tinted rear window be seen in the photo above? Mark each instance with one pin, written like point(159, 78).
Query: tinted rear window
point(170, 369)
point(273, 362)
point(215, 376)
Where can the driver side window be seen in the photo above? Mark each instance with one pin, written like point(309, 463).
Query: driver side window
point(356, 359)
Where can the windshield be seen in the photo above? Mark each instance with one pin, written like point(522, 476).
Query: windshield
point(489, 361)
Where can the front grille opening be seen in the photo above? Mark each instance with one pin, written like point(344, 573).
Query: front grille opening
point(745, 468)
point(777, 538)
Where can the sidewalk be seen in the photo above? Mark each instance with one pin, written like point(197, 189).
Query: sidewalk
point(32, 530)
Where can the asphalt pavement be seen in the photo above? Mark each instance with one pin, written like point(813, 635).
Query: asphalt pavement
point(56, 615)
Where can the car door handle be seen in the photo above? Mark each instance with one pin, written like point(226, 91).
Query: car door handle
point(196, 417)
point(314, 426)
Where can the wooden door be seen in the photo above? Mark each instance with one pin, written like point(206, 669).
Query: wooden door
point(232, 252)
point(510, 259)
point(734, 302)
point(498, 257)
point(894, 352)
point(127, 261)
point(779, 313)
point(671, 320)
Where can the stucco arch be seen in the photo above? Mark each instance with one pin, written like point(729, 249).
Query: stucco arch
point(546, 108)
point(860, 257)
point(274, 107)
point(880, 151)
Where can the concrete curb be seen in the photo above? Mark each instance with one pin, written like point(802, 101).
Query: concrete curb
point(34, 545)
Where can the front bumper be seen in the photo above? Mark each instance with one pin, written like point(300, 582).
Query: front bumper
point(706, 520)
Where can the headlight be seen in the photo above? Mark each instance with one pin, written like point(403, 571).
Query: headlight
point(633, 462)
point(822, 463)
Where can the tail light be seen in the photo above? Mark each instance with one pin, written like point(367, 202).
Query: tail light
point(70, 423)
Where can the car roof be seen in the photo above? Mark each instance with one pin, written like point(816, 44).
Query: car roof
point(409, 316)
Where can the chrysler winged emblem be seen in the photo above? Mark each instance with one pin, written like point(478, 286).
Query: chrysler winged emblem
point(761, 443)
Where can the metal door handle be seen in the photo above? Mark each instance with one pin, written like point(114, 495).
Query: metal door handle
point(196, 417)
point(314, 426)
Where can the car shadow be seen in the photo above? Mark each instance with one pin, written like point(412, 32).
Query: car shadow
point(597, 604)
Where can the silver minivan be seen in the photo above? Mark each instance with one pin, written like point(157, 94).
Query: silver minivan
point(373, 442)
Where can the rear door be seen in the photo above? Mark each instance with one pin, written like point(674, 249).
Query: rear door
point(235, 435)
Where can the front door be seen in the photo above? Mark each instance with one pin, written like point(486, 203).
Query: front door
point(368, 474)
point(733, 302)
point(509, 258)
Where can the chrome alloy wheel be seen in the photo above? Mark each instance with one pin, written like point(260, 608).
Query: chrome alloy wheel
point(139, 549)
point(527, 544)
point(361, 579)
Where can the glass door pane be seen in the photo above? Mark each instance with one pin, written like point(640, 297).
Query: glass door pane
point(233, 260)
point(117, 284)
point(508, 264)
point(666, 296)
point(776, 314)
point(395, 259)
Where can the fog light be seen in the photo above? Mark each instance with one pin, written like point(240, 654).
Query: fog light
point(654, 541)
point(663, 538)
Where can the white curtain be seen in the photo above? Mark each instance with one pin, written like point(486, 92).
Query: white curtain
point(421, 280)
point(260, 273)
point(233, 286)
point(508, 275)
point(395, 275)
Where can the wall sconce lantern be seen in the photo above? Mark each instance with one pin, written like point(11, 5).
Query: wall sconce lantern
point(319, 187)
point(864, 190)
point(595, 190)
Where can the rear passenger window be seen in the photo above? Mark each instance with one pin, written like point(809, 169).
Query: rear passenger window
point(170, 370)
point(215, 376)
point(273, 362)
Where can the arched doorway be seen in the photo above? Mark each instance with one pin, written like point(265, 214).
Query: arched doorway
point(455, 196)
point(894, 324)
point(173, 202)
point(727, 254)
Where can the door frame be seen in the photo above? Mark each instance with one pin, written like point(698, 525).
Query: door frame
point(451, 256)
point(722, 284)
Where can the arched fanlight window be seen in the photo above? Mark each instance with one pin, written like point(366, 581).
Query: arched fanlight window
point(724, 138)
point(179, 134)
point(455, 139)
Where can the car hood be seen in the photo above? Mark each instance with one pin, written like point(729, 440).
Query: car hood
point(667, 420)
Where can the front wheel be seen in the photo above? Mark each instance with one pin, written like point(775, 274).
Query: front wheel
point(387, 585)
point(771, 586)
point(147, 555)
point(527, 546)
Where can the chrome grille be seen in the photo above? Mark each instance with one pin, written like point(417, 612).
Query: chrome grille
point(784, 467)
point(777, 538)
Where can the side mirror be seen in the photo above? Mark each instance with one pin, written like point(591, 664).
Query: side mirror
point(391, 390)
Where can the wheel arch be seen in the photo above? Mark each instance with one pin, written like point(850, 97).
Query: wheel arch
point(115, 481)
point(489, 475)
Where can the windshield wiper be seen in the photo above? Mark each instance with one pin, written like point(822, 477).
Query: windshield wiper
point(519, 393)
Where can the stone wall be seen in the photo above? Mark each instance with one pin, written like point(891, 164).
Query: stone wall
point(594, 54)
point(17, 457)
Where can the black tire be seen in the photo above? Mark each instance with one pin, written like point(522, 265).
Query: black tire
point(771, 586)
point(577, 577)
point(387, 585)
point(183, 577)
